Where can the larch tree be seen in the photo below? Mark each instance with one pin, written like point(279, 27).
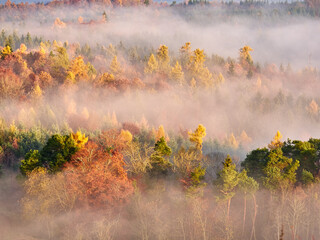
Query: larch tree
point(115, 67)
point(23, 48)
point(163, 59)
point(276, 143)
point(198, 70)
point(6, 51)
point(79, 68)
point(160, 133)
point(197, 136)
point(185, 53)
point(36, 92)
point(152, 65)
point(177, 74)
point(245, 57)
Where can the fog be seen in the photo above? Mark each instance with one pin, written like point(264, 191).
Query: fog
point(278, 39)
point(271, 100)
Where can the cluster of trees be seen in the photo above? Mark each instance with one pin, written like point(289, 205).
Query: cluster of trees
point(247, 7)
point(122, 168)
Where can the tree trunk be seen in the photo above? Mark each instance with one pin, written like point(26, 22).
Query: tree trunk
point(253, 234)
point(228, 209)
point(244, 214)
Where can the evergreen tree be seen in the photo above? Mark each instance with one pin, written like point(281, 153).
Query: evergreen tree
point(159, 159)
point(227, 181)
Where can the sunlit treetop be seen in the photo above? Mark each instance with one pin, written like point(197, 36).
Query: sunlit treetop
point(79, 138)
point(197, 136)
point(276, 143)
point(245, 57)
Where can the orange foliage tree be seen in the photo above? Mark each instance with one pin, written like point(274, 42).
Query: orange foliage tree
point(98, 178)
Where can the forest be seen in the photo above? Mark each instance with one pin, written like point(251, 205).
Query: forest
point(128, 119)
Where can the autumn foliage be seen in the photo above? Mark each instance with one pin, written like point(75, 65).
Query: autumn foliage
point(97, 177)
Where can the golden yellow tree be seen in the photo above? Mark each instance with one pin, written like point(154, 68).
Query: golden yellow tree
point(185, 53)
point(79, 68)
point(79, 138)
point(125, 136)
point(163, 59)
point(115, 67)
point(244, 138)
point(6, 51)
point(198, 70)
point(177, 73)
point(245, 57)
point(220, 78)
point(36, 92)
point(23, 48)
point(197, 136)
point(232, 141)
point(160, 133)
point(276, 143)
point(152, 65)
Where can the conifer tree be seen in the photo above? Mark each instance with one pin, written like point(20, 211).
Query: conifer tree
point(245, 57)
point(276, 143)
point(197, 136)
point(152, 65)
point(115, 67)
point(159, 159)
point(177, 74)
point(163, 59)
point(228, 179)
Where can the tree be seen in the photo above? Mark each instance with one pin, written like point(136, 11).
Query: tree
point(160, 133)
point(57, 151)
point(46, 195)
point(313, 109)
point(177, 74)
point(98, 178)
point(79, 68)
point(60, 63)
point(255, 162)
point(137, 157)
point(159, 162)
point(163, 59)
point(152, 65)
point(23, 48)
point(198, 70)
point(197, 136)
point(6, 51)
point(307, 177)
point(276, 143)
point(247, 185)
point(115, 67)
point(227, 180)
point(79, 139)
point(280, 171)
point(31, 162)
point(185, 53)
point(36, 92)
point(245, 57)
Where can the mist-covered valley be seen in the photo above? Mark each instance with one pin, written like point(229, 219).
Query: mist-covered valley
point(146, 120)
